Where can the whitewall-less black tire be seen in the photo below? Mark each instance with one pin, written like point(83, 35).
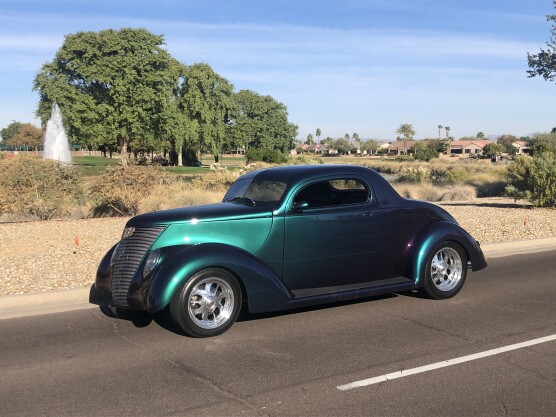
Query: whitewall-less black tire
point(207, 304)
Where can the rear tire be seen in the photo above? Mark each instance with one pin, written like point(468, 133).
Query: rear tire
point(207, 304)
point(445, 271)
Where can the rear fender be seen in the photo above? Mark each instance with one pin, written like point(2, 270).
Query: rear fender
point(264, 289)
point(436, 233)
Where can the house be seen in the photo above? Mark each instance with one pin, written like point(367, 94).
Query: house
point(522, 147)
point(398, 147)
point(468, 147)
point(316, 149)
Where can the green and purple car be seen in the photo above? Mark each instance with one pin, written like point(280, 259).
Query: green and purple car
point(285, 238)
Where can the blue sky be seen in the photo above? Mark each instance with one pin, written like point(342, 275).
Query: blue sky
point(347, 66)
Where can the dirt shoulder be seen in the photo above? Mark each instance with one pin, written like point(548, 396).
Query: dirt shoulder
point(63, 254)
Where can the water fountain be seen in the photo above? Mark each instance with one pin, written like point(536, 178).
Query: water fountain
point(56, 145)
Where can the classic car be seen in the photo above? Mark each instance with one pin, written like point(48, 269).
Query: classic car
point(284, 238)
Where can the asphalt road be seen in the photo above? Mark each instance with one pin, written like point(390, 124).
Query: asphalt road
point(86, 363)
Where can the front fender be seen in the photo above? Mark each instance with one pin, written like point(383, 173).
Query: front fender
point(264, 289)
point(436, 233)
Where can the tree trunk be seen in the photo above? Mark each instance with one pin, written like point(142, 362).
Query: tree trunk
point(123, 152)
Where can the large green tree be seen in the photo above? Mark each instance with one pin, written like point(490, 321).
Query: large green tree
point(207, 99)
point(112, 86)
point(11, 130)
point(261, 122)
point(544, 63)
point(28, 136)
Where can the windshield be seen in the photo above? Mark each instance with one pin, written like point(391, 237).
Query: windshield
point(252, 191)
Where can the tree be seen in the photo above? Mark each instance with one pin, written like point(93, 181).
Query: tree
point(406, 129)
point(544, 63)
point(370, 146)
point(11, 130)
point(424, 151)
point(544, 144)
point(492, 149)
point(309, 140)
point(342, 145)
point(439, 129)
point(447, 128)
point(346, 136)
point(112, 86)
point(207, 99)
point(480, 135)
point(317, 133)
point(29, 136)
point(261, 122)
point(506, 141)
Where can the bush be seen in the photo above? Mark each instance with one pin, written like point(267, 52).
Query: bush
point(270, 156)
point(36, 188)
point(533, 179)
point(450, 176)
point(119, 191)
point(306, 160)
point(413, 175)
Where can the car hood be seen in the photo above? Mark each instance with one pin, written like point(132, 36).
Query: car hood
point(205, 213)
point(244, 227)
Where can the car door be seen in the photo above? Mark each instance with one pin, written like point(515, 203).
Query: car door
point(331, 237)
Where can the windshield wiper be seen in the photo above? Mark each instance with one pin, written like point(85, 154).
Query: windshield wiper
point(243, 200)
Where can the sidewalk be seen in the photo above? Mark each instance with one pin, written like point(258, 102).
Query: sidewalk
point(12, 306)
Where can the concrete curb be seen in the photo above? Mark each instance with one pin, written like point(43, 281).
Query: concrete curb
point(24, 305)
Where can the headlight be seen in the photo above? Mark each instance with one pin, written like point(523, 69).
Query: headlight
point(128, 231)
point(151, 262)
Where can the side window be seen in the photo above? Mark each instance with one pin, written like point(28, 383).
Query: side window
point(338, 192)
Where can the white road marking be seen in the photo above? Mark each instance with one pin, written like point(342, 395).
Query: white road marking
point(443, 364)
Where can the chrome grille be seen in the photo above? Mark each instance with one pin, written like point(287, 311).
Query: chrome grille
point(131, 251)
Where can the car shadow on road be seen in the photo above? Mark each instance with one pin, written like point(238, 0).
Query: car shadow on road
point(142, 319)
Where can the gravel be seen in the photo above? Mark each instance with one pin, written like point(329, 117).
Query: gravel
point(63, 254)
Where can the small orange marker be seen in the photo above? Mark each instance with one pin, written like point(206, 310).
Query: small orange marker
point(76, 241)
point(525, 221)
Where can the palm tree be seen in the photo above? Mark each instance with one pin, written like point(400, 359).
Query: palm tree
point(448, 140)
point(480, 135)
point(309, 140)
point(439, 129)
point(346, 136)
point(406, 129)
point(355, 137)
point(318, 134)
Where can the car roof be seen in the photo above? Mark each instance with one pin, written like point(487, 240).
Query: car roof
point(301, 173)
point(296, 174)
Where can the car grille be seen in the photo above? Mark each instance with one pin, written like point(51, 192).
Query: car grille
point(133, 247)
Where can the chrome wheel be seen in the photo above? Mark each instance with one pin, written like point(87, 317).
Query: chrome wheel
point(211, 303)
point(446, 269)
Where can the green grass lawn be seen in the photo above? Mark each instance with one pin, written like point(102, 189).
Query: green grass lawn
point(96, 165)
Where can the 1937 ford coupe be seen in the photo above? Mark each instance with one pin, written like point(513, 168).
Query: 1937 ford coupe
point(284, 238)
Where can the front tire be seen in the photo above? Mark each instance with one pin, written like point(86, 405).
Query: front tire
point(208, 304)
point(445, 271)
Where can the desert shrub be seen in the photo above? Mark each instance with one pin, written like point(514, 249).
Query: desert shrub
point(220, 178)
point(450, 176)
point(271, 156)
point(533, 179)
point(178, 194)
point(429, 192)
point(119, 191)
point(413, 175)
point(305, 160)
point(37, 188)
point(459, 193)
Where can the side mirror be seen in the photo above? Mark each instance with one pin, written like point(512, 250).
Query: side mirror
point(299, 206)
